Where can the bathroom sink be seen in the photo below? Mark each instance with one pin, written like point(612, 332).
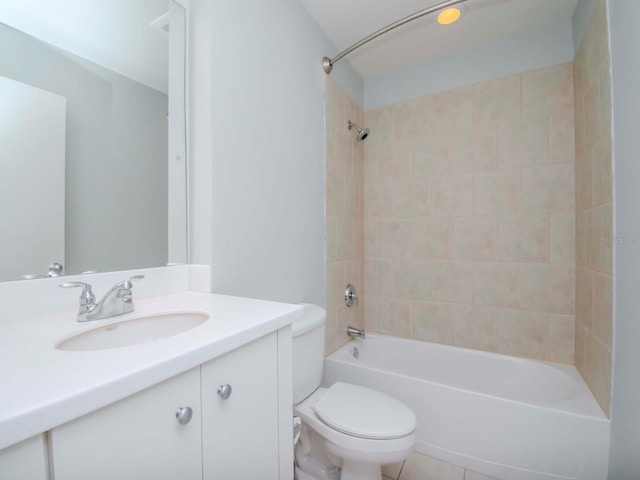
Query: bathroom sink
point(133, 332)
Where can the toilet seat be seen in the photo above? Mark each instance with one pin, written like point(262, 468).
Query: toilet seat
point(364, 412)
point(383, 450)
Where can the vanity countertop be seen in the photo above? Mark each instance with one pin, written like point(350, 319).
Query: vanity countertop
point(42, 387)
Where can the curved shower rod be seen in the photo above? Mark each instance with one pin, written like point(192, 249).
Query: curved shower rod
point(328, 63)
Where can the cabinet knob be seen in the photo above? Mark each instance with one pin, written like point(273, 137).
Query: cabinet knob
point(184, 414)
point(224, 391)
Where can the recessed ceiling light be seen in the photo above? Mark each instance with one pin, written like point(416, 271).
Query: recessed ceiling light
point(449, 15)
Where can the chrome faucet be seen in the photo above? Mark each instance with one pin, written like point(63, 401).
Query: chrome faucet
point(117, 301)
point(355, 332)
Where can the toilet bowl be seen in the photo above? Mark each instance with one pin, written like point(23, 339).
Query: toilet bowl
point(359, 429)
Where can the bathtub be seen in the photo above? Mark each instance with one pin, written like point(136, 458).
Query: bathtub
point(506, 417)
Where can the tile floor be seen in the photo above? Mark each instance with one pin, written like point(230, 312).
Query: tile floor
point(422, 467)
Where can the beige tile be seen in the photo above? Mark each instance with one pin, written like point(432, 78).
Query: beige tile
point(370, 239)
point(412, 118)
point(378, 276)
point(353, 201)
point(599, 238)
point(411, 198)
point(592, 121)
point(379, 120)
point(421, 467)
point(452, 195)
point(603, 308)
point(523, 333)
point(343, 154)
point(453, 108)
point(524, 238)
point(562, 135)
point(395, 239)
point(370, 311)
point(561, 338)
point(431, 154)
point(523, 141)
point(413, 279)
point(581, 347)
point(469, 475)
point(548, 189)
point(344, 238)
point(548, 288)
point(547, 89)
point(497, 284)
point(581, 238)
point(602, 166)
point(475, 327)
point(598, 370)
point(330, 239)
point(453, 282)
point(378, 198)
point(604, 105)
point(562, 245)
point(473, 150)
point(475, 238)
point(580, 123)
point(392, 470)
point(400, 164)
point(584, 296)
point(332, 336)
point(334, 103)
point(433, 322)
point(432, 238)
point(496, 193)
point(335, 194)
point(584, 181)
point(335, 284)
point(496, 100)
point(395, 316)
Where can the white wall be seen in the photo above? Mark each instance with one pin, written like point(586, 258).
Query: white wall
point(515, 54)
point(257, 147)
point(625, 415)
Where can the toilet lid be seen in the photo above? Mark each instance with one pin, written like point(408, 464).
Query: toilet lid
point(365, 413)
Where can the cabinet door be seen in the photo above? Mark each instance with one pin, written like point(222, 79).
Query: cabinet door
point(240, 434)
point(138, 438)
point(26, 460)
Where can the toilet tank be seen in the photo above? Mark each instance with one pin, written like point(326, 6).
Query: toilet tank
point(308, 351)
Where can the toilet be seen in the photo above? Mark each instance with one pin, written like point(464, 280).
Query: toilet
point(348, 431)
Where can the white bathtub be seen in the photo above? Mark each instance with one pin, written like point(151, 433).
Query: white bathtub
point(507, 417)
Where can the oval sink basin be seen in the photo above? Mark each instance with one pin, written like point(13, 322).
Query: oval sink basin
point(133, 332)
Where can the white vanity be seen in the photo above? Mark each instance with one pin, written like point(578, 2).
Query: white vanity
point(211, 402)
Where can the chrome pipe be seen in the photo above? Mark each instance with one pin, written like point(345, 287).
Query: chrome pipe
point(328, 63)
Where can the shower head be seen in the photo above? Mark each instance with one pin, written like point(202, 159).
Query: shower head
point(362, 132)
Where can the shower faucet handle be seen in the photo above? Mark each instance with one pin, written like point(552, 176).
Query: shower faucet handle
point(350, 296)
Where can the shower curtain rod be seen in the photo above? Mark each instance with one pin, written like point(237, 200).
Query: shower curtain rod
point(328, 63)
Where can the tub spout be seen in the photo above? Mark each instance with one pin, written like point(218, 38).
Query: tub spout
point(355, 332)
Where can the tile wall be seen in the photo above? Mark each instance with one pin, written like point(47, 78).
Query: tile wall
point(344, 214)
point(469, 216)
point(594, 207)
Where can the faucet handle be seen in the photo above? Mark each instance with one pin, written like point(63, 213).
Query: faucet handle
point(86, 296)
point(127, 283)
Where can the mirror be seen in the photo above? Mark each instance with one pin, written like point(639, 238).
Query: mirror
point(92, 136)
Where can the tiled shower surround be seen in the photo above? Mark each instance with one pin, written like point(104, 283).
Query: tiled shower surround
point(481, 216)
point(344, 214)
point(469, 216)
point(594, 219)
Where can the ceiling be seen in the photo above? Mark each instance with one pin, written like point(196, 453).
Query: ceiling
point(115, 34)
point(346, 22)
